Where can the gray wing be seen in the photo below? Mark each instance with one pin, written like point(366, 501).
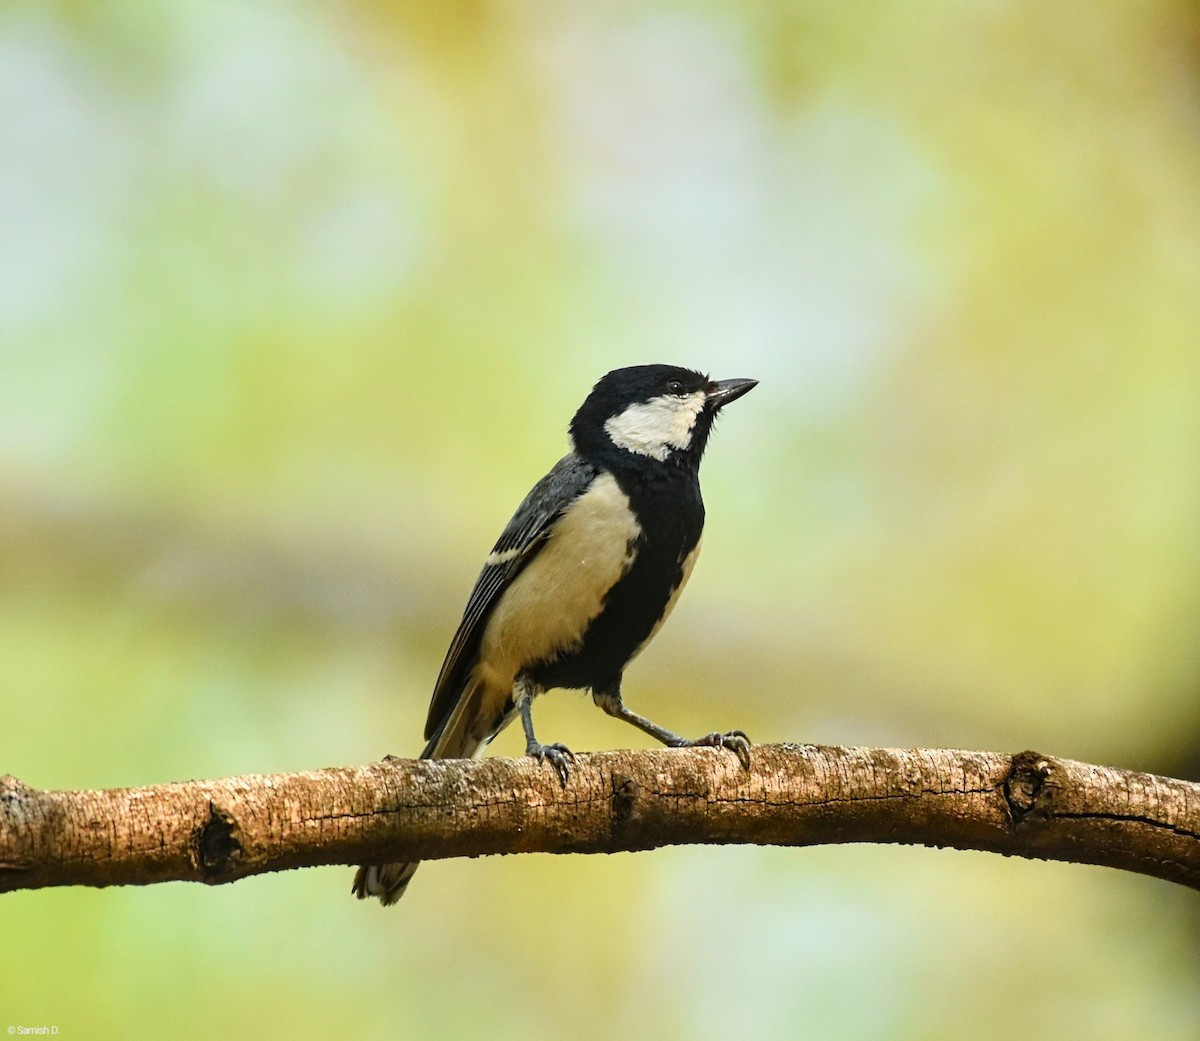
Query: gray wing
point(518, 544)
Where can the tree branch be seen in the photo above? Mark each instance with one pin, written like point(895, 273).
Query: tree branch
point(1026, 805)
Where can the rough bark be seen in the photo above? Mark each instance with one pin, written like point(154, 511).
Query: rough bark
point(1026, 805)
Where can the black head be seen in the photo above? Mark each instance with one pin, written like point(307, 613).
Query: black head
point(659, 412)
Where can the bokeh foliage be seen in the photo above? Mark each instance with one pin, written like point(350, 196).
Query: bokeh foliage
point(295, 302)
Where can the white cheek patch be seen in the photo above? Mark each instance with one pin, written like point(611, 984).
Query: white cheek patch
point(657, 427)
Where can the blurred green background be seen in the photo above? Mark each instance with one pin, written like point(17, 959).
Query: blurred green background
point(296, 300)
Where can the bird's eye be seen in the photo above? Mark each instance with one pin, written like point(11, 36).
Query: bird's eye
point(674, 387)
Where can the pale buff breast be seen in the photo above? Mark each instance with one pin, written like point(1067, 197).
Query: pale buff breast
point(550, 603)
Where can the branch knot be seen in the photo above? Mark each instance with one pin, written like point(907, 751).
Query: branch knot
point(1026, 788)
point(217, 845)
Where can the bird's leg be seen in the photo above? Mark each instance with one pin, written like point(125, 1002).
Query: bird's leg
point(736, 741)
point(560, 756)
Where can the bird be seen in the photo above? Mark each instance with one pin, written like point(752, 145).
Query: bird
point(582, 577)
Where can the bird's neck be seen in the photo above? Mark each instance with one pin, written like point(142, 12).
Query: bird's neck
point(665, 496)
point(601, 452)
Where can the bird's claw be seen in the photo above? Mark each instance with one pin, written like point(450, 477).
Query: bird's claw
point(560, 757)
point(735, 740)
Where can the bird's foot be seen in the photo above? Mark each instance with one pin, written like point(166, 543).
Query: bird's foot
point(560, 756)
point(736, 741)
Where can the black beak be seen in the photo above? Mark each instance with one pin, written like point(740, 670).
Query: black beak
point(722, 392)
